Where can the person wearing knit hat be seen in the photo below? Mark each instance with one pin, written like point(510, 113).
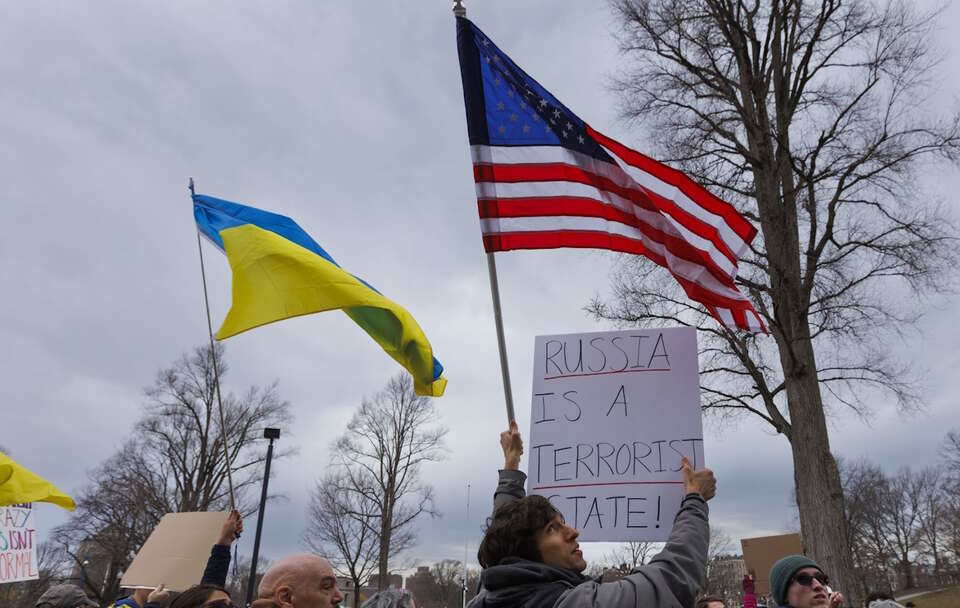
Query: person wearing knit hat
point(796, 581)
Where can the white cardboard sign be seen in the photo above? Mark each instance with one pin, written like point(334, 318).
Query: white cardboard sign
point(18, 544)
point(612, 415)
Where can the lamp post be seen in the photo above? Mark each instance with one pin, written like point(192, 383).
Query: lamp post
point(269, 434)
point(83, 573)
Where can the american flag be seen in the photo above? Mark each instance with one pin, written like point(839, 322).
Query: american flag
point(546, 179)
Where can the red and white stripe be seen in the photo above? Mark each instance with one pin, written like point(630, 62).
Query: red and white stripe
point(543, 197)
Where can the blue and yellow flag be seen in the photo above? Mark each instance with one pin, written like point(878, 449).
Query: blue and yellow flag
point(280, 272)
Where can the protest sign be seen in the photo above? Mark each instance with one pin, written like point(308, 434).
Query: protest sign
point(759, 555)
point(176, 552)
point(18, 544)
point(613, 413)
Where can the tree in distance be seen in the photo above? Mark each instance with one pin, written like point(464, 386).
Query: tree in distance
point(172, 462)
point(182, 442)
point(379, 459)
point(342, 524)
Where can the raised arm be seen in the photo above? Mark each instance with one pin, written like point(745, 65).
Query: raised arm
point(672, 578)
point(510, 486)
point(218, 565)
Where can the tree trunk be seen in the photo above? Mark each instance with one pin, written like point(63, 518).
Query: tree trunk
point(908, 582)
point(386, 524)
point(356, 592)
point(816, 476)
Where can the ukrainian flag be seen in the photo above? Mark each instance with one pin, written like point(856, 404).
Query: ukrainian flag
point(280, 272)
point(19, 484)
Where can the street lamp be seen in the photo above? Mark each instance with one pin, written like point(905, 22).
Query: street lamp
point(270, 434)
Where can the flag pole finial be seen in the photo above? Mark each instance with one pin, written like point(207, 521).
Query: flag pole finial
point(459, 10)
point(192, 192)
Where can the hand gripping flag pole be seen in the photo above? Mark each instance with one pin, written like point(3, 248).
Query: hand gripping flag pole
point(216, 368)
point(460, 11)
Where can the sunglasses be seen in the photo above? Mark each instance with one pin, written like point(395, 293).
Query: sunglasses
point(807, 579)
point(219, 604)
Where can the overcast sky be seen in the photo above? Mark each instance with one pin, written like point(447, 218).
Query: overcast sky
point(348, 117)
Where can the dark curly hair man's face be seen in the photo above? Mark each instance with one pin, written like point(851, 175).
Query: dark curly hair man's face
point(558, 546)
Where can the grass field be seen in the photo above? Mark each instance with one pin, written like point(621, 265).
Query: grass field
point(948, 598)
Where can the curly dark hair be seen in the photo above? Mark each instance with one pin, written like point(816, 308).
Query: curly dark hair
point(196, 596)
point(513, 530)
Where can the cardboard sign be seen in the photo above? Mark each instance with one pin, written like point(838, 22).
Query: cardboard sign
point(176, 552)
point(759, 554)
point(612, 415)
point(18, 544)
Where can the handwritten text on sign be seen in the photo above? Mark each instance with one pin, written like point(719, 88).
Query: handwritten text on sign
point(18, 544)
point(612, 415)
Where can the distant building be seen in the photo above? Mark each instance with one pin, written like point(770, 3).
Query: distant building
point(725, 579)
point(421, 584)
point(345, 584)
point(394, 581)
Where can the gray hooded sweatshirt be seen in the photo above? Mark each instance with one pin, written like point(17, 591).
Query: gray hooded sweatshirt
point(670, 580)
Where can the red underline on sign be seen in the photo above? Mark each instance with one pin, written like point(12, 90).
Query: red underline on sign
point(617, 371)
point(610, 483)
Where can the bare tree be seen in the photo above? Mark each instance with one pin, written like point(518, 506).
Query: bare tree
point(720, 543)
point(342, 525)
point(448, 575)
point(239, 577)
point(864, 486)
point(632, 554)
point(809, 117)
point(182, 439)
point(902, 507)
point(934, 493)
point(174, 462)
point(950, 453)
point(386, 443)
point(113, 518)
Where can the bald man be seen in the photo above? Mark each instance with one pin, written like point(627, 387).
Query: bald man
point(299, 581)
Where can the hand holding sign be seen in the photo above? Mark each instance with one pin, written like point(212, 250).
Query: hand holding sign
point(158, 595)
point(700, 481)
point(232, 528)
point(512, 444)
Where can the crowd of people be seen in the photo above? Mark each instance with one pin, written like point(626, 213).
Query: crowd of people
point(530, 559)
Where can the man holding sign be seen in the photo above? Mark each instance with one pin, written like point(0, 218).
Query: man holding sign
point(531, 557)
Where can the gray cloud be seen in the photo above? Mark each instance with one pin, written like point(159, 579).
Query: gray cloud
point(349, 118)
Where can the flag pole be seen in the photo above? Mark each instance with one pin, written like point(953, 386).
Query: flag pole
point(466, 542)
point(501, 343)
point(459, 10)
point(216, 368)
